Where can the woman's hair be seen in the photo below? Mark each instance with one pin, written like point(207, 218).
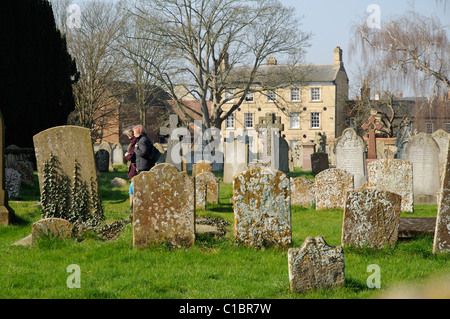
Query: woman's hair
point(128, 131)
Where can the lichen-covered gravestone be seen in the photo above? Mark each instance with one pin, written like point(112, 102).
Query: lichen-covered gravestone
point(200, 194)
point(315, 265)
point(393, 175)
point(67, 174)
point(441, 242)
point(53, 227)
point(302, 192)
point(164, 207)
point(350, 155)
point(262, 208)
point(423, 152)
point(6, 212)
point(201, 166)
point(371, 218)
point(212, 186)
point(330, 187)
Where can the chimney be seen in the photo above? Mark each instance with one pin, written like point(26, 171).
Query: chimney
point(338, 57)
point(271, 61)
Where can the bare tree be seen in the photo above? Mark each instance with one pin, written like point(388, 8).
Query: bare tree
point(93, 47)
point(411, 49)
point(205, 40)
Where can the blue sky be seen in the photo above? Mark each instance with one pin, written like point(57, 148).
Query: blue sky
point(330, 21)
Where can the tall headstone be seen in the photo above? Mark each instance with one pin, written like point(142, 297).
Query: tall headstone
point(319, 162)
point(404, 134)
point(67, 173)
point(395, 176)
point(371, 127)
point(172, 141)
point(164, 207)
point(371, 219)
point(117, 154)
point(102, 160)
point(308, 150)
point(107, 146)
point(262, 208)
point(350, 156)
point(6, 212)
point(423, 152)
point(330, 187)
point(200, 194)
point(236, 155)
point(315, 265)
point(302, 192)
point(441, 243)
point(297, 154)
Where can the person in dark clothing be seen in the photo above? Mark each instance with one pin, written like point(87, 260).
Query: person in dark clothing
point(143, 149)
point(131, 158)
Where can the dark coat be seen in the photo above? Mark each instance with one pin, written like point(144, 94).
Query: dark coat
point(131, 157)
point(144, 150)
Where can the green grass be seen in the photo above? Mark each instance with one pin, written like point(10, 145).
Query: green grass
point(213, 268)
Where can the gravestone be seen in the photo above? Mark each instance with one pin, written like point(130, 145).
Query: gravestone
point(201, 166)
point(52, 227)
point(25, 169)
point(308, 150)
point(172, 141)
point(404, 134)
point(164, 207)
point(297, 154)
point(330, 187)
point(275, 148)
point(67, 174)
point(371, 219)
point(236, 154)
point(442, 138)
point(395, 176)
point(441, 243)
point(102, 160)
point(385, 151)
point(212, 186)
point(315, 265)
point(13, 180)
point(423, 152)
point(319, 162)
point(371, 127)
point(117, 154)
point(262, 208)
point(106, 146)
point(6, 212)
point(350, 150)
point(302, 192)
point(200, 194)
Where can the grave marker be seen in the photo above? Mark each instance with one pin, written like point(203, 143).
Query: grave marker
point(172, 141)
point(6, 212)
point(371, 127)
point(212, 186)
point(330, 187)
point(302, 192)
point(262, 208)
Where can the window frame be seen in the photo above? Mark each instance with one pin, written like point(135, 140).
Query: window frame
point(246, 120)
point(311, 120)
point(313, 94)
point(232, 119)
point(298, 93)
point(292, 116)
point(271, 98)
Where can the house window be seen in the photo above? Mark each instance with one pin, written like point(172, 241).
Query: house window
point(315, 120)
point(249, 97)
point(295, 94)
point(315, 94)
point(429, 128)
point(447, 127)
point(229, 123)
point(271, 96)
point(294, 120)
point(248, 120)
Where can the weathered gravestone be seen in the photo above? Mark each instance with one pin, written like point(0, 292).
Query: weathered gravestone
point(102, 160)
point(107, 147)
point(423, 152)
point(330, 187)
point(164, 207)
point(6, 212)
point(371, 218)
point(441, 242)
point(315, 265)
point(442, 138)
point(212, 186)
point(302, 192)
point(52, 227)
point(404, 134)
point(319, 162)
point(308, 150)
point(67, 174)
point(350, 150)
point(395, 176)
point(200, 194)
point(262, 208)
point(297, 154)
point(201, 166)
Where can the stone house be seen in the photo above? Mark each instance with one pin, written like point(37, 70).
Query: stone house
point(314, 102)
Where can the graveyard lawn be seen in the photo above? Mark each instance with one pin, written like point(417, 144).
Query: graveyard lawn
point(213, 268)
